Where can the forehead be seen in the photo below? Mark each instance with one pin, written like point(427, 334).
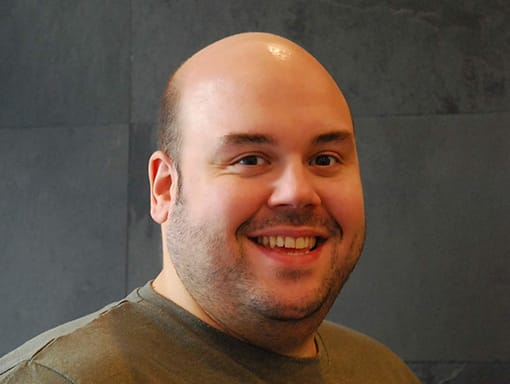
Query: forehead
point(263, 96)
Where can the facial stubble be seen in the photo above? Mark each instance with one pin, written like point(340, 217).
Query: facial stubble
point(217, 274)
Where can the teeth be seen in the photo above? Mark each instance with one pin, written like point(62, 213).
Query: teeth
point(290, 242)
point(306, 242)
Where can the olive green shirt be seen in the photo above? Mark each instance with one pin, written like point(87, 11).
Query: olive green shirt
point(146, 338)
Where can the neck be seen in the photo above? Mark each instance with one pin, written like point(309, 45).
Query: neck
point(293, 340)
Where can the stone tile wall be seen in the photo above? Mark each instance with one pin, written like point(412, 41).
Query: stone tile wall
point(428, 87)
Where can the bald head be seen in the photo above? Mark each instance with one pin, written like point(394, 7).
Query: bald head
point(244, 62)
point(263, 148)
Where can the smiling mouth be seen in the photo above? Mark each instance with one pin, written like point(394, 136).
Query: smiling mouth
point(302, 243)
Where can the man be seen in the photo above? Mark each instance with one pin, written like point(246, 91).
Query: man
point(257, 189)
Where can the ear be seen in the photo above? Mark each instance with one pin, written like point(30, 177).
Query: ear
point(162, 175)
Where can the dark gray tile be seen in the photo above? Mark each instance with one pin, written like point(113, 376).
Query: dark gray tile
point(64, 62)
point(410, 57)
point(434, 279)
point(144, 238)
point(63, 201)
point(400, 57)
point(462, 373)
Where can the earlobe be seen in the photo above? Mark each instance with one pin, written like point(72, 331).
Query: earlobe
point(160, 181)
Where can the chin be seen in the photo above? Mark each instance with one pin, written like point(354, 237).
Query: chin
point(296, 310)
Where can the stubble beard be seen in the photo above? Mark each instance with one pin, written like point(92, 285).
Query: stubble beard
point(216, 274)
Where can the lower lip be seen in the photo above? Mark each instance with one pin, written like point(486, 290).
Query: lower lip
point(290, 259)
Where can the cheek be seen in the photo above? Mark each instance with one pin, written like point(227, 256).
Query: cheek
point(224, 202)
point(243, 199)
point(345, 204)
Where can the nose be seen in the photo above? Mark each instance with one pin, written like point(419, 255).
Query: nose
point(295, 187)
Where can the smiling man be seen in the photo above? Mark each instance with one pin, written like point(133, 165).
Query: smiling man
point(257, 189)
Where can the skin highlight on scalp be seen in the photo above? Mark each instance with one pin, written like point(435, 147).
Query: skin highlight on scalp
point(169, 135)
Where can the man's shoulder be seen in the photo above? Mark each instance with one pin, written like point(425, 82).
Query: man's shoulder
point(31, 372)
point(347, 348)
point(74, 346)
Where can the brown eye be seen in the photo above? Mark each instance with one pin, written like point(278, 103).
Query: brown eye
point(251, 160)
point(324, 160)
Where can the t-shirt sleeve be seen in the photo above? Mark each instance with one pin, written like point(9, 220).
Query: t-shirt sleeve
point(32, 372)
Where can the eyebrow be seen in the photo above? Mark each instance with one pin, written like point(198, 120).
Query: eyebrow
point(332, 137)
point(246, 138)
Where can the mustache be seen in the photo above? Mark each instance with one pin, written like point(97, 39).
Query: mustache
point(292, 217)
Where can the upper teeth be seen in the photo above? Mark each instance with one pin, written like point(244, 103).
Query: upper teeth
point(287, 241)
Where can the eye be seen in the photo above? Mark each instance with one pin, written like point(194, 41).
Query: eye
point(251, 160)
point(250, 165)
point(324, 160)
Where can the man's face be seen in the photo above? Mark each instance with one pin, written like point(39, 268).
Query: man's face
point(269, 221)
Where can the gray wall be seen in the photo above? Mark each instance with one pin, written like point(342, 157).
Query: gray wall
point(428, 86)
